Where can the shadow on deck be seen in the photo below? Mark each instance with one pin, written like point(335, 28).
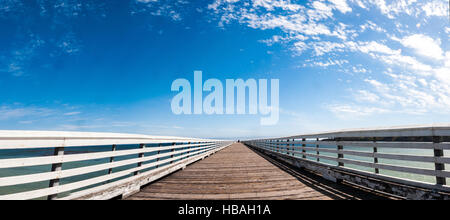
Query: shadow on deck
point(238, 172)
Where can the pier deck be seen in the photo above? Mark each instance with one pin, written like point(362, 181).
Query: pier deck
point(238, 172)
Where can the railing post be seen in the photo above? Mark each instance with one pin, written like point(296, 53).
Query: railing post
point(303, 148)
point(375, 150)
point(189, 148)
point(278, 146)
point(293, 147)
point(142, 146)
point(317, 150)
point(59, 151)
point(111, 159)
point(287, 147)
point(340, 155)
point(171, 156)
point(438, 153)
point(157, 159)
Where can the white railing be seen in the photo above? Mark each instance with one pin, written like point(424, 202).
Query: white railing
point(115, 164)
point(384, 151)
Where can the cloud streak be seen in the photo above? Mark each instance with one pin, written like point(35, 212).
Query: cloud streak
point(415, 65)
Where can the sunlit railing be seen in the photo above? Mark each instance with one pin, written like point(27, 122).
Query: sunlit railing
point(73, 165)
point(406, 155)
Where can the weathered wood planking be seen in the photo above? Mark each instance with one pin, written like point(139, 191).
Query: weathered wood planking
point(238, 172)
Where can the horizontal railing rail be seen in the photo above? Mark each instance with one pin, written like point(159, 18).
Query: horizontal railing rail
point(129, 158)
point(406, 155)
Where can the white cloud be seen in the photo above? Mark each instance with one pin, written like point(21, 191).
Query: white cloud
point(341, 5)
point(323, 47)
point(171, 9)
point(299, 47)
point(352, 110)
point(359, 3)
point(72, 113)
point(17, 62)
point(395, 8)
point(375, 47)
point(369, 25)
point(69, 44)
point(146, 1)
point(424, 45)
point(436, 8)
point(407, 81)
point(273, 4)
point(320, 11)
point(359, 70)
point(327, 63)
point(14, 112)
point(410, 7)
point(342, 32)
point(447, 59)
point(366, 96)
point(407, 62)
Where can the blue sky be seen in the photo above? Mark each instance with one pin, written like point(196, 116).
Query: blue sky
point(108, 65)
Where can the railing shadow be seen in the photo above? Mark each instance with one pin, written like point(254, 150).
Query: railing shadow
point(338, 191)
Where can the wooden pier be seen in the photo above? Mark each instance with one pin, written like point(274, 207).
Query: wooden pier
point(345, 164)
point(237, 172)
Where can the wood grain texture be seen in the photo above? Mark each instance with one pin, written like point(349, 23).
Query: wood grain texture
point(238, 172)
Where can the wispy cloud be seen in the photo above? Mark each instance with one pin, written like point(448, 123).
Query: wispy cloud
point(166, 8)
point(17, 62)
point(8, 112)
point(416, 63)
point(72, 113)
point(349, 111)
point(29, 43)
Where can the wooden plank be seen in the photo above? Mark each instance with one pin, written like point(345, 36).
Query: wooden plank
point(234, 173)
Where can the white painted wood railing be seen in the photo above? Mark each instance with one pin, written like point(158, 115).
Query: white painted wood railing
point(381, 150)
point(138, 158)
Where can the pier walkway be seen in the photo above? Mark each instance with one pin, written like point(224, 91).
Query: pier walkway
point(238, 172)
point(377, 163)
